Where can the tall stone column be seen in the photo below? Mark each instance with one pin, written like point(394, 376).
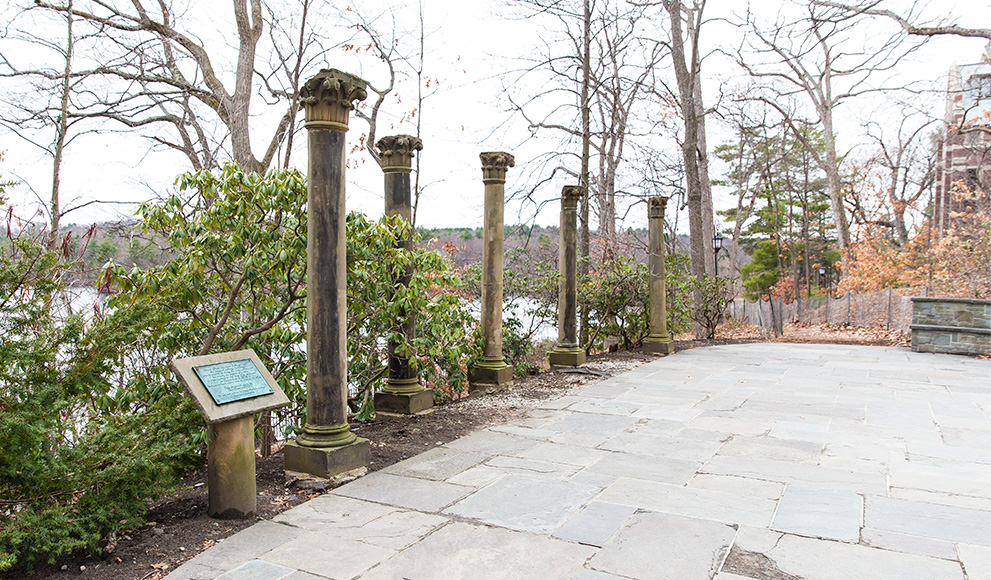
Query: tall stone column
point(658, 341)
point(327, 447)
point(567, 352)
point(403, 392)
point(491, 373)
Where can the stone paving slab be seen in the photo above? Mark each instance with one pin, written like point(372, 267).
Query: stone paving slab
point(821, 462)
point(595, 524)
point(462, 551)
point(407, 492)
point(938, 522)
point(680, 500)
point(827, 514)
point(666, 547)
point(976, 561)
point(812, 559)
point(525, 503)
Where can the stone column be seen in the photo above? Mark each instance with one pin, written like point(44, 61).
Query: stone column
point(491, 373)
point(327, 447)
point(567, 352)
point(658, 341)
point(403, 392)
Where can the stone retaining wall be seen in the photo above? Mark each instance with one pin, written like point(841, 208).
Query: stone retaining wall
point(951, 325)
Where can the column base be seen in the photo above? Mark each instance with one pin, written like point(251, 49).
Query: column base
point(404, 403)
point(566, 356)
point(658, 345)
point(327, 461)
point(490, 376)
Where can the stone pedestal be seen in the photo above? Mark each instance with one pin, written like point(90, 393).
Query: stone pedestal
point(567, 352)
point(403, 392)
point(658, 341)
point(327, 447)
point(491, 373)
point(231, 469)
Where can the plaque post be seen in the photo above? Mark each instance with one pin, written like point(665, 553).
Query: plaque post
point(231, 481)
point(326, 446)
point(403, 392)
point(659, 340)
point(228, 389)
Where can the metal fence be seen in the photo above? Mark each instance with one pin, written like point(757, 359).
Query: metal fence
point(885, 309)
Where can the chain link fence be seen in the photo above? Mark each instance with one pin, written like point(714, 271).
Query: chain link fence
point(885, 309)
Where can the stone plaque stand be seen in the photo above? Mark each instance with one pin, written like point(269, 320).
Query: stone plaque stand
point(658, 341)
point(230, 434)
point(491, 373)
point(567, 352)
point(403, 392)
point(327, 447)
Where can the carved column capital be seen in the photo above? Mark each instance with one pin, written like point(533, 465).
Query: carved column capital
point(655, 206)
point(328, 98)
point(571, 195)
point(397, 152)
point(494, 166)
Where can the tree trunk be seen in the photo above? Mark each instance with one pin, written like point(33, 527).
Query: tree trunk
point(54, 208)
point(689, 150)
point(832, 170)
point(583, 230)
point(708, 217)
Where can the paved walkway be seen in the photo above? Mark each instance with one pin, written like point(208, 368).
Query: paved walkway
point(772, 461)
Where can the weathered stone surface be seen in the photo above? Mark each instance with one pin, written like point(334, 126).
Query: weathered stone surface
point(908, 544)
point(679, 500)
point(312, 553)
point(595, 524)
point(928, 520)
point(407, 492)
point(335, 511)
point(659, 469)
point(437, 464)
point(813, 559)
point(665, 547)
point(976, 561)
point(238, 549)
point(742, 487)
point(492, 443)
point(951, 325)
point(527, 503)
point(327, 461)
point(257, 570)
point(462, 551)
point(832, 515)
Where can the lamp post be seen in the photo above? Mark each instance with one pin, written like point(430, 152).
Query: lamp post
point(822, 276)
point(717, 244)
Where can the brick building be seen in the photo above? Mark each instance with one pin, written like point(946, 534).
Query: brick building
point(963, 170)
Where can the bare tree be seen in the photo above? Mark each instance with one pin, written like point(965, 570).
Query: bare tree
point(44, 101)
point(589, 103)
point(908, 163)
point(686, 23)
point(150, 71)
point(872, 8)
point(817, 55)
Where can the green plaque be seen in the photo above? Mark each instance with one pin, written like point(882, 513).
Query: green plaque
point(232, 381)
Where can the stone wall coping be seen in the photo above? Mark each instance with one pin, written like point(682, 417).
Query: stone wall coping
point(952, 300)
point(960, 329)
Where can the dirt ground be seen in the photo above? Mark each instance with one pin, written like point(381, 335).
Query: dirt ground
point(178, 527)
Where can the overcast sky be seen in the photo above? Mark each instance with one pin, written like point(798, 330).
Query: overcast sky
point(468, 44)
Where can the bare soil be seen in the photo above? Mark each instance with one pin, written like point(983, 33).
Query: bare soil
point(178, 527)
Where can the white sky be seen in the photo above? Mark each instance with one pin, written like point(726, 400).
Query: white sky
point(468, 43)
